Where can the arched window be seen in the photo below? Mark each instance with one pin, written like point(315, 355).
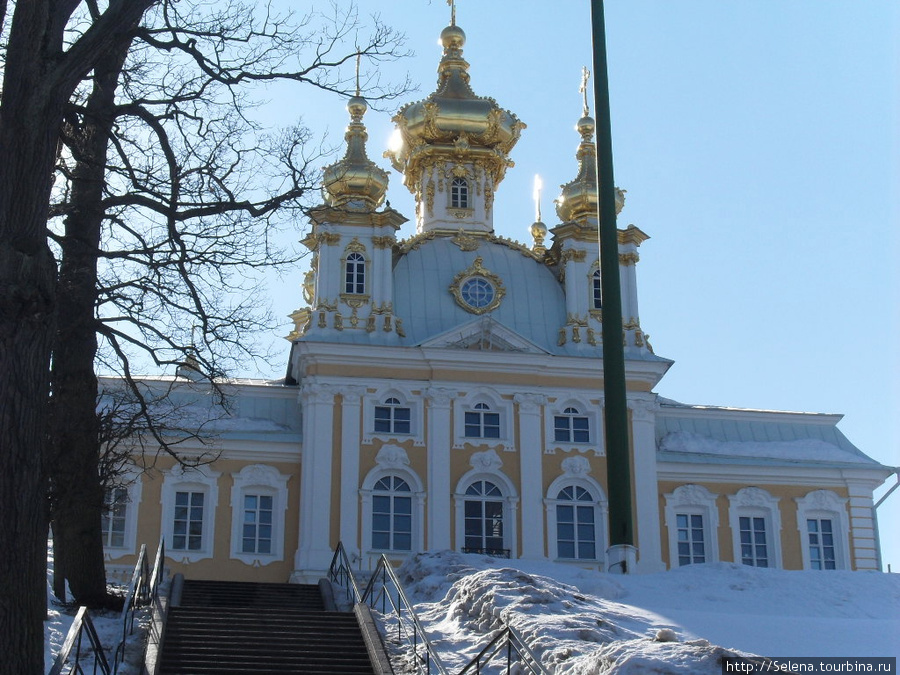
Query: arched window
point(391, 417)
point(571, 427)
point(596, 291)
point(481, 422)
point(692, 519)
point(755, 521)
point(355, 274)
point(459, 194)
point(824, 528)
point(392, 515)
point(258, 504)
point(484, 519)
point(576, 537)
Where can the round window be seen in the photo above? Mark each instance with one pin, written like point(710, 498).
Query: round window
point(477, 292)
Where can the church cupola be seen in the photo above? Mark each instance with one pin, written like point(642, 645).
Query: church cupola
point(453, 147)
point(355, 183)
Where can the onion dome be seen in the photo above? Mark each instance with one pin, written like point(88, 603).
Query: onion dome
point(453, 122)
point(580, 198)
point(355, 183)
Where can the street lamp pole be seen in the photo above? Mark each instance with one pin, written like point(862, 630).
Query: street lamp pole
point(622, 554)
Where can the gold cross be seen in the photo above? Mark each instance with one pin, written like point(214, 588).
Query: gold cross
point(358, 55)
point(452, 4)
point(585, 75)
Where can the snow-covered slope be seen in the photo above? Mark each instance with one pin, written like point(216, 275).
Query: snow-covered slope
point(581, 621)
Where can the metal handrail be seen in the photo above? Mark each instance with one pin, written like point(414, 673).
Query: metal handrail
point(143, 589)
point(410, 628)
point(510, 641)
point(341, 573)
point(80, 626)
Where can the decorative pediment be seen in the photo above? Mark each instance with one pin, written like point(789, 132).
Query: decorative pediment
point(484, 334)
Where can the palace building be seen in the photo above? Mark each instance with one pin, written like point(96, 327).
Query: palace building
point(444, 391)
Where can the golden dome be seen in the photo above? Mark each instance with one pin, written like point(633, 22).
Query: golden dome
point(454, 121)
point(580, 198)
point(355, 183)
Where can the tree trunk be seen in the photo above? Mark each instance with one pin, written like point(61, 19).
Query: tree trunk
point(76, 489)
point(38, 79)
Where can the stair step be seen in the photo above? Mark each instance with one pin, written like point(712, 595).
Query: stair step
point(260, 629)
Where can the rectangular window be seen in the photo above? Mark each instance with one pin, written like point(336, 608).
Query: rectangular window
point(392, 420)
point(482, 424)
point(256, 533)
point(571, 429)
point(691, 546)
point(821, 544)
point(112, 523)
point(187, 526)
point(754, 550)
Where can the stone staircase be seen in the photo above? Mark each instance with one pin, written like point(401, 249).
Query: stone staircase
point(231, 627)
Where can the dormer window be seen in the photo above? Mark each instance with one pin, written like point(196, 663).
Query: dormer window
point(355, 274)
point(596, 291)
point(459, 194)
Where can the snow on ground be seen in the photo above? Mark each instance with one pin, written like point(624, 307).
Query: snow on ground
point(584, 622)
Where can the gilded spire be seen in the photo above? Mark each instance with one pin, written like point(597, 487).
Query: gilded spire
point(355, 183)
point(538, 229)
point(580, 197)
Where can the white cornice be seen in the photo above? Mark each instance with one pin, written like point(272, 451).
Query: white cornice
point(807, 474)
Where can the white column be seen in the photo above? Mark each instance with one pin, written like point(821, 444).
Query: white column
point(314, 550)
point(646, 486)
point(531, 465)
point(350, 440)
point(863, 547)
point(438, 442)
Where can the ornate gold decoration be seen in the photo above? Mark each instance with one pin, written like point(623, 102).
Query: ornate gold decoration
point(562, 337)
point(429, 197)
point(370, 324)
point(465, 242)
point(327, 306)
point(576, 333)
point(398, 323)
point(383, 242)
point(453, 123)
point(630, 258)
point(632, 235)
point(338, 322)
point(597, 314)
point(301, 319)
point(647, 342)
point(354, 319)
point(572, 254)
point(308, 287)
point(477, 270)
point(329, 238)
point(355, 247)
point(459, 214)
point(322, 323)
point(354, 300)
point(387, 324)
point(591, 337)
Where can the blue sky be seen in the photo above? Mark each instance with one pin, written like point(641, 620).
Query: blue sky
point(758, 144)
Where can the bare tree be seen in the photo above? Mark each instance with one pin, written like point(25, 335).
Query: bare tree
point(169, 200)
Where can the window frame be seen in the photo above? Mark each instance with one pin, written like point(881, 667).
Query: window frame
point(819, 505)
point(393, 405)
point(459, 194)
point(406, 399)
point(692, 499)
point(496, 405)
point(263, 481)
point(486, 467)
point(754, 502)
point(132, 483)
point(394, 463)
point(392, 493)
point(586, 408)
point(198, 479)
point(352, 282)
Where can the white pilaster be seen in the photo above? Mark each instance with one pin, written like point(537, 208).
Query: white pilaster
point(439, 439)
point(350, 441)
point(646, 485)
point(530, 461)
point(314, 550)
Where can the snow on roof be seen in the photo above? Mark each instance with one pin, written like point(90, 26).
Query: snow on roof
point(708, 433)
